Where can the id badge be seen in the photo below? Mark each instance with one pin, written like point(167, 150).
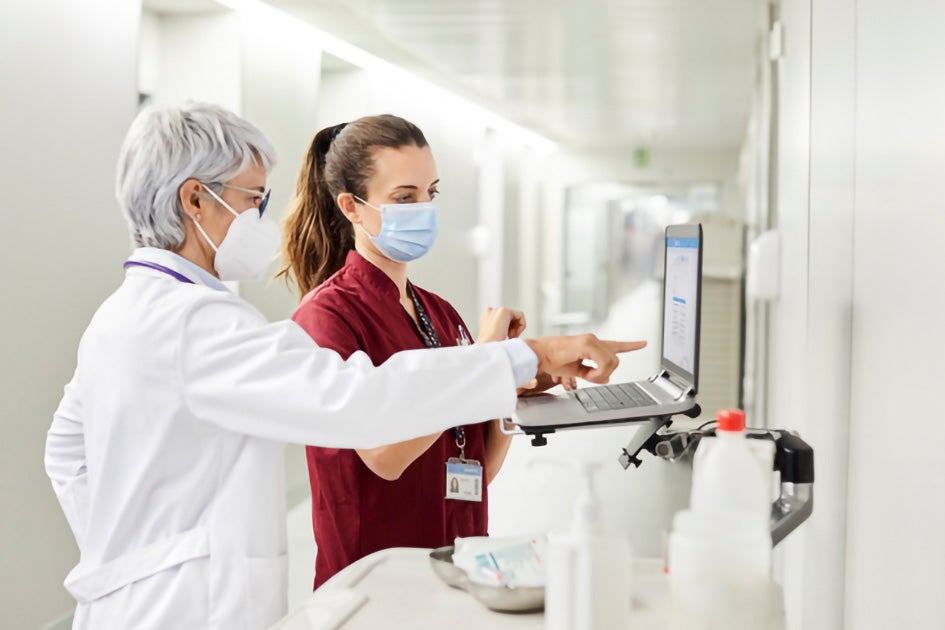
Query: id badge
point(463, 479)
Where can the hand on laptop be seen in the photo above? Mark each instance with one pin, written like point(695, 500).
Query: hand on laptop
point(565, 356)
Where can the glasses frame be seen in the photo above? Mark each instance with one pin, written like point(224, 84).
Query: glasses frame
point(255, 191)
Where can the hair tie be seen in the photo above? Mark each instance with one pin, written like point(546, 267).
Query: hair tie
point(322, 141)
point(334, 131)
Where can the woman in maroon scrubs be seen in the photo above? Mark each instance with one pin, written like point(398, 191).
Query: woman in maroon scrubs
point(363, 210)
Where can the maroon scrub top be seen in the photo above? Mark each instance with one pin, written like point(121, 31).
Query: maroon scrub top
point(354, 511)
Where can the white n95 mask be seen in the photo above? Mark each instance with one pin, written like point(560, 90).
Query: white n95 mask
point(248, 247)
point(408, 230)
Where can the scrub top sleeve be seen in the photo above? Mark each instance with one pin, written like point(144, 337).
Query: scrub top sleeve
point(328, 327)
point(65, 459)
point(272, 381)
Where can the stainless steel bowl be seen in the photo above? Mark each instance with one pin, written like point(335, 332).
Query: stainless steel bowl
point(499, 598)
point(441, 559)
point(519, 599)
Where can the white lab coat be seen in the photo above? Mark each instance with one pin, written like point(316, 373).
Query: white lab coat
point(166, 452)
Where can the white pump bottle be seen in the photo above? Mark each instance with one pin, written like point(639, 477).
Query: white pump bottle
point(589, 570)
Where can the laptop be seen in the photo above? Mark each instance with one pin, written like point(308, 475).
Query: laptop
point(670, 391)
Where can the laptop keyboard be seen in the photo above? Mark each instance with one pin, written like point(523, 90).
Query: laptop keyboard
point(608, 397)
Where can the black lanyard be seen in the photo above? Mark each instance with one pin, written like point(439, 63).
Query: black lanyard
point(431, 340)
point(424, 326)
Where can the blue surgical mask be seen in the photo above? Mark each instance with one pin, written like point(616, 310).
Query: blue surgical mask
point(408, 230)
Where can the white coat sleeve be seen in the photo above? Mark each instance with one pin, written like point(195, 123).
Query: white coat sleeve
point(272, 381)
point(65, 459)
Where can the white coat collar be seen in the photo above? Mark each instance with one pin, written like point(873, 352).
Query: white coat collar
point(177, 263)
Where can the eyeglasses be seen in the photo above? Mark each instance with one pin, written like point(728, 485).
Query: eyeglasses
point(264, 195)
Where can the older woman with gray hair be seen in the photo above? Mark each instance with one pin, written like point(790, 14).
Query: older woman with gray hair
point(166, 451)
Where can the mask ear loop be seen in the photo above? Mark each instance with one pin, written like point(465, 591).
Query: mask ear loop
point(225, 205)
point(206, 238)
point(365, 203)
point(368, 234)
point(364, 229)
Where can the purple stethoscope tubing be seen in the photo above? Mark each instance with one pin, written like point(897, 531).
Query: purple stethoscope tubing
point(157, 267)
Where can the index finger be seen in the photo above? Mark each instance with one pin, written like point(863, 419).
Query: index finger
point(623, 346)
point(604, 356)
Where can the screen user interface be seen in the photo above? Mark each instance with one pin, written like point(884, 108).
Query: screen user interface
point(679, 309)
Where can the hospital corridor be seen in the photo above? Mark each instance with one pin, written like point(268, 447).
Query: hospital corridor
point(511, 314)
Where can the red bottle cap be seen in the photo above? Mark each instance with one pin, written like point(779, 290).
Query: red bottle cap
point(731, 420)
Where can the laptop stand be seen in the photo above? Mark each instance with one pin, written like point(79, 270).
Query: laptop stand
point(651, 426)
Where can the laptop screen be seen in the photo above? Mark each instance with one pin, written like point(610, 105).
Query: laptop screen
point(682, 301)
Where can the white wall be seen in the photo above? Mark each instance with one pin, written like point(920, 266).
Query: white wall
point(68, 73)
point(788, 326)
point(862, 141)
point(754, 181)
point(830, 258)
point(810, 325)
point(149, 53)
point(527, 245)
point(199, 59)
point(492, 213)
point(896, 550)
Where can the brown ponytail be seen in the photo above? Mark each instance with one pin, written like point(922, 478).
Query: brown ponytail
point(317, 236)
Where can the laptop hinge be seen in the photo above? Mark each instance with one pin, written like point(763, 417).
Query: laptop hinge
point(662, 373)
point(666, 381)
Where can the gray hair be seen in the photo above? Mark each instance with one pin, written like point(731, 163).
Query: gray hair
point(166, 146)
